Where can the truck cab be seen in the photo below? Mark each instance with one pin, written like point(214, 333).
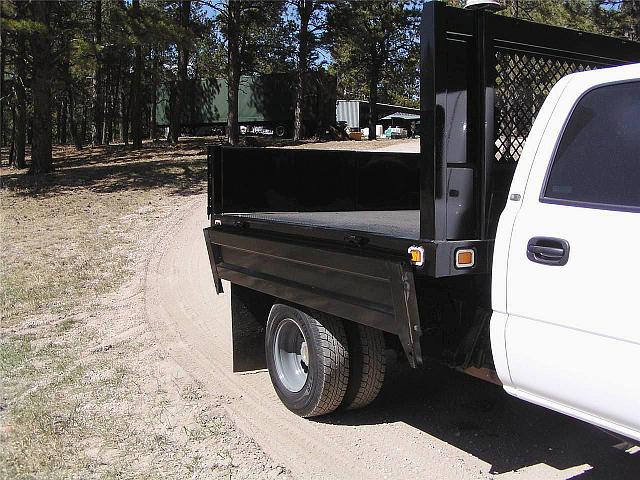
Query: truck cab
point(565, 332)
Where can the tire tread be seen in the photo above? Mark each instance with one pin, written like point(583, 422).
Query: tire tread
point(367, 378)
point(335, 364)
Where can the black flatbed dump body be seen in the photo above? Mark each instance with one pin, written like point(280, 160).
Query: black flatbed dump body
point(330, 230)
point(363, 202)
point(316, 228)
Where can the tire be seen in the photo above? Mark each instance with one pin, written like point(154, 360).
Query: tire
point(308, 360)
point(367, 366)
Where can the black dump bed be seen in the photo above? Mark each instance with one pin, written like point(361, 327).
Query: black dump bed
point(344, 196)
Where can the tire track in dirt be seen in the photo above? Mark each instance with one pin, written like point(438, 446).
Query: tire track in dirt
point(194, 327)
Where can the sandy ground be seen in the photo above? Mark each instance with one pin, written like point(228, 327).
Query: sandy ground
point(403, 146)
point(86, 389)
point(152, 393)
point(433, 424)
point(410, 145)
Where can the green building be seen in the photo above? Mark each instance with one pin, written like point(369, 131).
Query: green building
point(267, 101)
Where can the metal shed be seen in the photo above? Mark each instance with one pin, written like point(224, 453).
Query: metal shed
point(356, 112)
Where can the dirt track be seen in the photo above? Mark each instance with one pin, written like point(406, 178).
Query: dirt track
point(431, 423)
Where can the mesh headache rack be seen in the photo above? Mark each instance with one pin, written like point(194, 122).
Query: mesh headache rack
point(484, 78)
point(523, 81)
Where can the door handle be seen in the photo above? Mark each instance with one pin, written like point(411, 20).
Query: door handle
point(548, 251)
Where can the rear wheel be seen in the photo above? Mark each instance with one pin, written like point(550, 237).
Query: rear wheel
point(308, 360)
point(367, 365)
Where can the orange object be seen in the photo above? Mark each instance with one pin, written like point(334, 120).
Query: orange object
point(465, 258)
point(416, 254)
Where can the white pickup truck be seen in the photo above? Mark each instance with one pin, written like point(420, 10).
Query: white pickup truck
point(565, 329)
point(505, 249)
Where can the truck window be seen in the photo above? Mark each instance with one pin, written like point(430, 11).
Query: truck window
point(597, 163)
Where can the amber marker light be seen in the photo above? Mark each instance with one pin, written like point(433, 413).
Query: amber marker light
point(465, 258)
point(416, 254)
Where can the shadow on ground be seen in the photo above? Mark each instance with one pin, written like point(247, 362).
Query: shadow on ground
point(179, 168)
point(486, 422)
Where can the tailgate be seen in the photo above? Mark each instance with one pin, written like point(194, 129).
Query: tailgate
point(377, 292)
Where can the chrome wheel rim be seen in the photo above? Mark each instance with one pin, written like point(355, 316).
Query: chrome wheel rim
point(291, 355)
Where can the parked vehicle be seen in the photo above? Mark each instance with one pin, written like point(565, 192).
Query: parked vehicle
point(265, 102)
point(511, 262)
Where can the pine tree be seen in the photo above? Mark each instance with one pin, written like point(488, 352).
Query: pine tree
point(98, 87)
point(41, 39)
point(179, 88)
point(136, 80)
point(307, 42)
point(244, 24)
point(368, 37)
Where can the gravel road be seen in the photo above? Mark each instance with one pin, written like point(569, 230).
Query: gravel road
point(431, 423)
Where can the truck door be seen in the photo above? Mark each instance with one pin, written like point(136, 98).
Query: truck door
point(572, 334)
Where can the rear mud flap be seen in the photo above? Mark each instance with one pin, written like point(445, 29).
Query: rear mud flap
point(249, 313)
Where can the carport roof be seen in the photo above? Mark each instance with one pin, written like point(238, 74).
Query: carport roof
point(402, 115)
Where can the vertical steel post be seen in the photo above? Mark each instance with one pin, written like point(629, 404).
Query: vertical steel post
point(485, 67)
point(432, 90)
point(214, 180)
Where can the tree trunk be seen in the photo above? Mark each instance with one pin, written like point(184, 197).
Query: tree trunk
point(73, 126)
point(154, 94)
point(135, 113)
point(83, 127)
point(136, 89)
point(20, 119)
point(125, 101)
point(124, 108)
point(234, 69)
point(106, 92)
point(3, 47)
point(177, 106)
point(58, 119)
point(41, 155)
point(125, 81)
point(108, 113)
point(98, 105)
point(62, 130)
point(173, 86)
point(12, 147)
point(305, 10)
point(115, 101)
point(373, 102)
point(113, 105)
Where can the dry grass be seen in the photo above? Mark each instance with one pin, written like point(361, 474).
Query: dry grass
point(67, 240)
point(86, 391)
point(62, 235)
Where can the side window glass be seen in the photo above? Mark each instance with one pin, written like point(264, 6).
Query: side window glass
point(598, 158)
